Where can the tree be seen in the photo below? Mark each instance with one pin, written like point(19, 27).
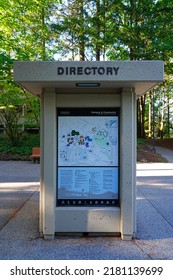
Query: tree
point(69, 25)
point(11, 112)
point(145, 32)
point(102, 19)
point(89, 30)
point(25, 35)
point(84, 28)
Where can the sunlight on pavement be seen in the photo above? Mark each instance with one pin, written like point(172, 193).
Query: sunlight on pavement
point(154, 169)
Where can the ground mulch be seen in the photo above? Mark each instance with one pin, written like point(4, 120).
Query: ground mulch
point(11, 156)
point(146, 154)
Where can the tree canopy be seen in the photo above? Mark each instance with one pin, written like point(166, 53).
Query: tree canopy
point(89, 30)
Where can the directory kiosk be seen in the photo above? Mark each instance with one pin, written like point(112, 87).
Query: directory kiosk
point(88, 142)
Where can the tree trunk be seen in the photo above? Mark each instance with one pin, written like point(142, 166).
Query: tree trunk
point(150, 115)
point(98, 30)
point(81, 39)
point(141, 116)
point(43, 39)
point(162, 117)
point(168, 120)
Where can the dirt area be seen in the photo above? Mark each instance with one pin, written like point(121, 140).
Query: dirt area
point(145, 154)
point(165, 143)
point(10, 156)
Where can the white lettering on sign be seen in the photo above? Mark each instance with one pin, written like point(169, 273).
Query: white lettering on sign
point(87, 71)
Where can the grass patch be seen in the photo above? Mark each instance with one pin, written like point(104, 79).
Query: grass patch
point(140, 141)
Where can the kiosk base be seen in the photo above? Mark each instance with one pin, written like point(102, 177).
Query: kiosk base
point(87, 219)
point(89, 234)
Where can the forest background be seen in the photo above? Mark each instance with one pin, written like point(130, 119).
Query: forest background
point(85, 30)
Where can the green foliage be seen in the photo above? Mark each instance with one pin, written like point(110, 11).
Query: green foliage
point(131, 29)
point(144, 30)
point(18, 111)
point(85, 30)
point(10, 117)
point(22, 148)
point(139, 141)
point(6, 63)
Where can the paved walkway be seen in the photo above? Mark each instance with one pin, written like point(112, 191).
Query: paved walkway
point(166, 153)
point(19, 205)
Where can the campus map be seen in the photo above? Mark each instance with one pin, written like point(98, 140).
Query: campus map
point(88, 141)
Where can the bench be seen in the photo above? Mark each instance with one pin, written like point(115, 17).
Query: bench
point(35, 154)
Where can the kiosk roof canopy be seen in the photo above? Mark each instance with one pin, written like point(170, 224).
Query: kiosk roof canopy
point(35, 76)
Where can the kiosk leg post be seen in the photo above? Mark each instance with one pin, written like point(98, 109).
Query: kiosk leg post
point(128, 164)
point(48, 236)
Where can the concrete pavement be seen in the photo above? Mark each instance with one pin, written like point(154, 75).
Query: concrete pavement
point(19, 204)
point(166, 153)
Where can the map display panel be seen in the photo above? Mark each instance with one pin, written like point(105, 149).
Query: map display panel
point(88, 141)
point(88, 157)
